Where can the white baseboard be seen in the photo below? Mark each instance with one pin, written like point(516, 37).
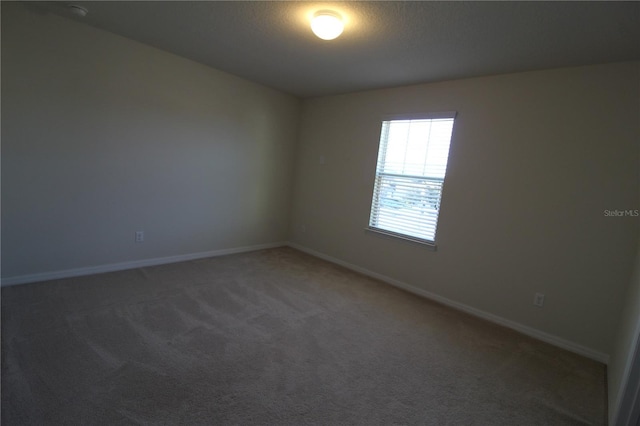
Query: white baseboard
point(67, 273)
point(529, 331)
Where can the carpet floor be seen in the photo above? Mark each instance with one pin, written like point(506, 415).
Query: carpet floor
point(273, 337)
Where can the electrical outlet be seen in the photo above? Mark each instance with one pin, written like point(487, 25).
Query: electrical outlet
point(139, 236)
point(538, 300)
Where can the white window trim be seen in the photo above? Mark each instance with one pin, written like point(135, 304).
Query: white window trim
point(405, 238)
point(419, 116)
point(399, 236)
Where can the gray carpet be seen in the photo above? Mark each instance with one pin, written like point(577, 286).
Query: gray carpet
point(273, 337)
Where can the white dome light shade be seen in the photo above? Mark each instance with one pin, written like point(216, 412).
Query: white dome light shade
point(327, 24)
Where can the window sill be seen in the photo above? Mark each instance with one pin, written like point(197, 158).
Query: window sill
point(430, 245)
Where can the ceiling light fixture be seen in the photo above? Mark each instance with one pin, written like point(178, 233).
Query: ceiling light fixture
point(327, 24)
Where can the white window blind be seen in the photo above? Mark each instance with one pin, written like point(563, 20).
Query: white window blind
point(412, 162)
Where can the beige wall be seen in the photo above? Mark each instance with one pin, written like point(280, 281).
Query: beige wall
point(103, 136)
point(627, 332)
point(535, 160)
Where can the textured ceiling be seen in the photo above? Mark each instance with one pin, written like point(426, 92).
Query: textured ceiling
point(384, 44)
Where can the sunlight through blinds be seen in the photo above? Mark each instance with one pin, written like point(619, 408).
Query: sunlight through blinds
point(412, 162)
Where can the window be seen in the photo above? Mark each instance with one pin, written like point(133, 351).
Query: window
point(412, 162)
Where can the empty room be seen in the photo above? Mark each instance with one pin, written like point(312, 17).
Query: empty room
point(322, 213)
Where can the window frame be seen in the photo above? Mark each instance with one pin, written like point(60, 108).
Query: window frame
point(377, 175)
